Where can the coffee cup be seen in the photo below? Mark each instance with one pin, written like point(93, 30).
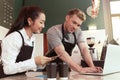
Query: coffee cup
point(51, 69)
point(63, 71)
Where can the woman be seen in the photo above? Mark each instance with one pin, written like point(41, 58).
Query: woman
point(17, 46)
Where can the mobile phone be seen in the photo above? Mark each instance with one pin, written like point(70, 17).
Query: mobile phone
point(55, 57)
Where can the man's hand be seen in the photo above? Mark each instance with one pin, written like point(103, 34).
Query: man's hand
point(91, 69)
point(99, 69)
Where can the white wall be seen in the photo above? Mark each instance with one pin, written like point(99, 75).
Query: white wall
point(39, 47)
point(39, 40)
point(3, 32)
point(99, 36)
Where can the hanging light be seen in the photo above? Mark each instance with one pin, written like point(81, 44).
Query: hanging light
point(95, 8)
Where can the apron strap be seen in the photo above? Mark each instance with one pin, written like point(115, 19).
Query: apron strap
point(22, 38)
point(75, 38)
point(63, 34)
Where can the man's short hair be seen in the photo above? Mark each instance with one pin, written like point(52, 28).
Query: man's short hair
point(78, 13)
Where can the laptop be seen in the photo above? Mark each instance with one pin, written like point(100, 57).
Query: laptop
point(111, 62)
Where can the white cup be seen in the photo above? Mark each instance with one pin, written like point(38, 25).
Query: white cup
point(51, 79)
point(63, 78)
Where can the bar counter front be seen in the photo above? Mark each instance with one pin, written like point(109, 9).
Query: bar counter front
point(72, 76)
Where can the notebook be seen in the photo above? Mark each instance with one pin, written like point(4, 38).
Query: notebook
point(111, 62)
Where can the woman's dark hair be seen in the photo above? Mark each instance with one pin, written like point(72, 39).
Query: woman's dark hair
point(25, 13)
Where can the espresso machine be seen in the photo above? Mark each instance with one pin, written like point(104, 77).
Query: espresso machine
point(92, 50)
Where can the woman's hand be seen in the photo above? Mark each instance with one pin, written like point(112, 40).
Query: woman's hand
point(42, 60)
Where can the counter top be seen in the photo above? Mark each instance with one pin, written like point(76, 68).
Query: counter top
point(72, 76)
point(77, 76)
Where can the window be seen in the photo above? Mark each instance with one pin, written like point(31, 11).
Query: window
point(115, 17)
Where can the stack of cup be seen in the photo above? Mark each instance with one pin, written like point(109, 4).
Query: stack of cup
point(51, 69)
point(63, 71)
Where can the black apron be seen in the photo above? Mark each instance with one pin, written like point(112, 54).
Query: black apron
point(24, 54)
point(68, 47)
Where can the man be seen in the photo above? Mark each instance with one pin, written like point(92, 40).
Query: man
point(63, 38)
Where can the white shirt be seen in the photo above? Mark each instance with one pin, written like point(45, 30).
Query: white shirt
point(11, 46)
